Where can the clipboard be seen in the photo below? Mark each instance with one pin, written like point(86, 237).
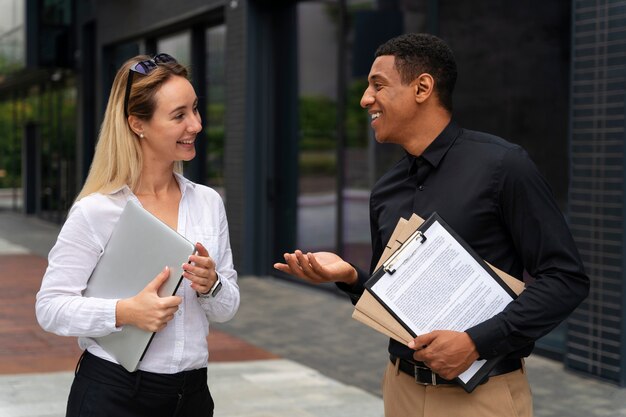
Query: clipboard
point(372, 312)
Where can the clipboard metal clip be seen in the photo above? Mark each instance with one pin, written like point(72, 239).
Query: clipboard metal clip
point(389, 266)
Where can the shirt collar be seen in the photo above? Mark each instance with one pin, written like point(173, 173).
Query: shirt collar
point(183, 184)
point(439, 147)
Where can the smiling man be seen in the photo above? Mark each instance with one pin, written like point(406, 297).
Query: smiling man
point(490, 192)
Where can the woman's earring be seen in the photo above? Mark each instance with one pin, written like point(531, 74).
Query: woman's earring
point(141, 136)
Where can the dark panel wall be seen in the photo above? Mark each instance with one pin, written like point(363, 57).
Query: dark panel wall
point(237, 120)
point(513, 60)
point(598, 93)
point(119, 20)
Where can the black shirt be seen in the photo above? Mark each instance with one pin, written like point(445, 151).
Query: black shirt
point(491, 193)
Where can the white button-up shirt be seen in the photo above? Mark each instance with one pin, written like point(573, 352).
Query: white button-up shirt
point(182, 344)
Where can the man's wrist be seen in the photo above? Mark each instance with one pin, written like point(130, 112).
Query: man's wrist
point(353, 279)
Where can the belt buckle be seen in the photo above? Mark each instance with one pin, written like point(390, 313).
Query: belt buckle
point(432, 375)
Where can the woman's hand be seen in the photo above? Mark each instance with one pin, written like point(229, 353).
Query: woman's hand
point(147, 310)
point(201, 270)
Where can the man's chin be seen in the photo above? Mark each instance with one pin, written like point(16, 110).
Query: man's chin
point(381, 138)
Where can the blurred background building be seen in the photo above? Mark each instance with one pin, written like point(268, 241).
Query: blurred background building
point(285, 141)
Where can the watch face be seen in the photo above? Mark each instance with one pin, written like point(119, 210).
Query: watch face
point(217, 289)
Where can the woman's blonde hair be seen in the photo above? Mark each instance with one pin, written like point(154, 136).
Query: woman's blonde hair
point(117, 159)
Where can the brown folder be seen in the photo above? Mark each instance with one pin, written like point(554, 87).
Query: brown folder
point(371, 313)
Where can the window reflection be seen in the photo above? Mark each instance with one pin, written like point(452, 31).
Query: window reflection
point(317, 185)
point(318, 166)
point(12, 37)
point(177, 45)
point(216, 103)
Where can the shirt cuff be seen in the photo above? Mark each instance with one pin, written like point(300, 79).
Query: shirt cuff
point(354, 291)
point(487, 336)
point(110, 307)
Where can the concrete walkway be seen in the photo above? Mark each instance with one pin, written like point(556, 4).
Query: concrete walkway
point(263, 388)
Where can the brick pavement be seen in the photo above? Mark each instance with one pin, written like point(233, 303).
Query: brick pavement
point(26, 348)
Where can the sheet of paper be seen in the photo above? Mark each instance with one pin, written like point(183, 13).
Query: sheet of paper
point(439, 285)
point(471, 371)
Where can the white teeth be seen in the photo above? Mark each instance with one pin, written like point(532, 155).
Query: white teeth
point(186, 142)
point(376, 116)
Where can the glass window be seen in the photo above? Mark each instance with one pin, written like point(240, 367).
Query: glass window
point(216, 104)
point(57, 127)
point(359, 178)
point(12, 37)
point(49, 112)
point(317, 89)
point(318, 213)
point(177, 45)
point(11, 122)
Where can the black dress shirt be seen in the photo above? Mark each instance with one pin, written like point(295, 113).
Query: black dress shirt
point(491, 193)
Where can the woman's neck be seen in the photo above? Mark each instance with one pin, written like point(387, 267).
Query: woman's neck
point(156, 182)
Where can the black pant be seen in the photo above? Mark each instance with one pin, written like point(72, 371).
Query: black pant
point(102, 389)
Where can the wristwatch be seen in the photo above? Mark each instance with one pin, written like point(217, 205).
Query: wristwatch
point(217, 286)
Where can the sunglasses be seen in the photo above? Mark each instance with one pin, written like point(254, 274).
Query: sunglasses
point(144, 68)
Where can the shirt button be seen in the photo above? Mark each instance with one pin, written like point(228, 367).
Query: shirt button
point(421, 188)
point(179, 312)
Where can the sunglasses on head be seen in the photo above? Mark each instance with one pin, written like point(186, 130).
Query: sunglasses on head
point(144, 68)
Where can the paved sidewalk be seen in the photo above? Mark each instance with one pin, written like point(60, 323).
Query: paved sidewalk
point(292, 350)
point(263, 388)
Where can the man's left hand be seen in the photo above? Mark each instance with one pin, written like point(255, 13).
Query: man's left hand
point(446, 352)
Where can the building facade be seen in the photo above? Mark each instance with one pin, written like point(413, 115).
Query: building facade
point(285, 141)
point(596, 199)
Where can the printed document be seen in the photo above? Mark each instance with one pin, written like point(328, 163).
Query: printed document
point(437, 283)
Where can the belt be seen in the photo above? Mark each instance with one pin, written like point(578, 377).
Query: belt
point(425, 376)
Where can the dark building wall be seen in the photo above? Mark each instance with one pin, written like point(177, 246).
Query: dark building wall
point(237, 116)
point(513, 61)
point(598, 93)
point(122, 19)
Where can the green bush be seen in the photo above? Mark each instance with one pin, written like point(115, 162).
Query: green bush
point(318, 120)
point(318, 163)
point(317, 123)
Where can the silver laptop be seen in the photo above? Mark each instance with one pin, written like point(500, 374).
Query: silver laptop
point(139, 248)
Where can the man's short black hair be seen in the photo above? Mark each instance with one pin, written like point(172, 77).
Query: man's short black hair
point(418, 53)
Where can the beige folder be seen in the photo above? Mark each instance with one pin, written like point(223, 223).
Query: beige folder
point(373, 314)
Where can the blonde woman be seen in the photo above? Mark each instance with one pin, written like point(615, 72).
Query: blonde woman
point(149, 128)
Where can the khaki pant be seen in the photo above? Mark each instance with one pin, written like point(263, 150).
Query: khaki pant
point(506, 395)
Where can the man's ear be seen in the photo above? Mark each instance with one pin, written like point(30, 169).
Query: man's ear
point(136, 124)
point(423, 87)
